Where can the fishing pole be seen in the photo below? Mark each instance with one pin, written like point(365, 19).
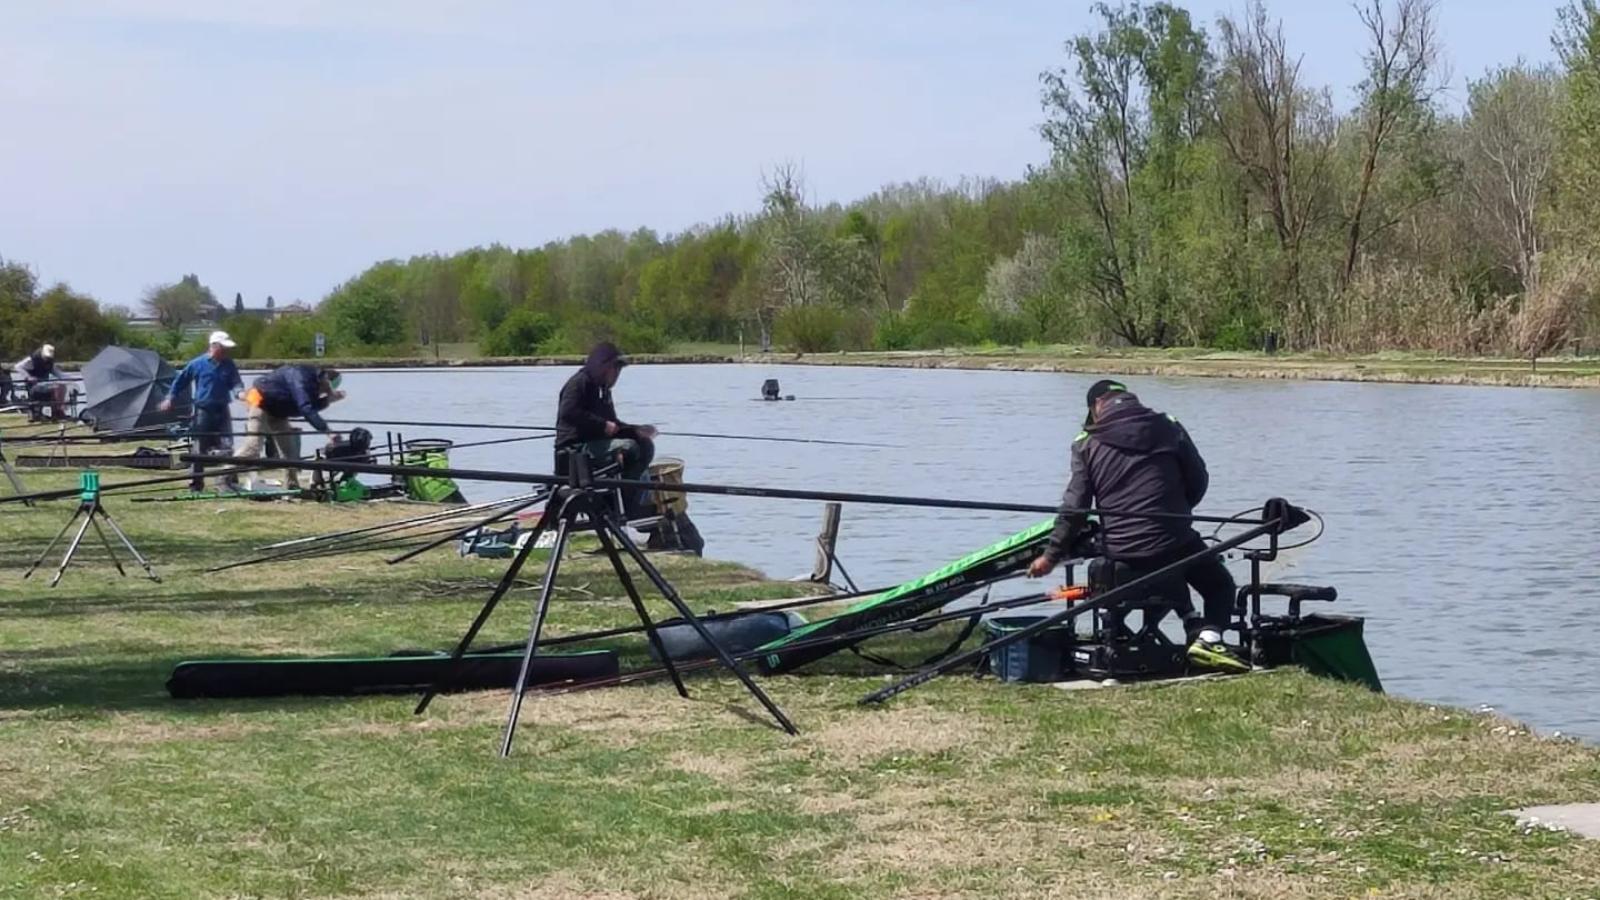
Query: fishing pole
point(688, 434)
point(415, 520)
point(491, 475)
point(1281, 517)
point(712, 617)
point(857, 636)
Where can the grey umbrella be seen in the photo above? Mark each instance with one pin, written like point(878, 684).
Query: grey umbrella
point(125, 386)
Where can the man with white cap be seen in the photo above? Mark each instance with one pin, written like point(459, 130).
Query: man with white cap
point(36, 371)
point(214, 381)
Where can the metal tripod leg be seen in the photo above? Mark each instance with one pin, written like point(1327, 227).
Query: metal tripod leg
point(11, 476)
point(540, 609)
point(53, 542)
point(72, 548)
point(137, 556)
point(506, 581)
point(457, 535)
point(671, 593)
point(610, 548)
point(94, 520)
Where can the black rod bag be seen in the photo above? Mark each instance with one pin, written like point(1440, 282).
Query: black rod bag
point(398, 674)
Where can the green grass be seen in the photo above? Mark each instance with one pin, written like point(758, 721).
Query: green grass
point(1274, 785)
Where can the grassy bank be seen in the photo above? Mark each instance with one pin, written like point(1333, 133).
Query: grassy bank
point(1272, 785)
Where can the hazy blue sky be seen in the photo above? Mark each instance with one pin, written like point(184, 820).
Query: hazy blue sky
point(281, 146)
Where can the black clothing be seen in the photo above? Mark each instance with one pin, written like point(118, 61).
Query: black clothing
point(293, 391)
point(585, 406)
point(1132, 459)
point(39, 368)
point(1209, 577)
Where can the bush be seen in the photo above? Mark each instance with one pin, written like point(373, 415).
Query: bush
point(810, 329)
point(894, 332)
point(1007, 330)
point(522, 333)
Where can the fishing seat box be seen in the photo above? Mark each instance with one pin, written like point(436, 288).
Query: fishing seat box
point(1044, 658)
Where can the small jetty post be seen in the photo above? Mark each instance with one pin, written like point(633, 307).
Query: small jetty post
point(827, 540)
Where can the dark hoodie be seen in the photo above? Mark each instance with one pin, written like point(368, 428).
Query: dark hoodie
point(290, 391)
point(1132, 459)
point(585, 405)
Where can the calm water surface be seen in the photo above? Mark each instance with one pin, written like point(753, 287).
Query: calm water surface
point(1463, 522)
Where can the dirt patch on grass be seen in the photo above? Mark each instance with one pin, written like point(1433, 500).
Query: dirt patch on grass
point(906, 730)
point(721, 768)
point(126, 730)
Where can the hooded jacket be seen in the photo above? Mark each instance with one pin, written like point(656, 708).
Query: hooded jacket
point(1132, 459)
point(291, 391)
point(585, 406)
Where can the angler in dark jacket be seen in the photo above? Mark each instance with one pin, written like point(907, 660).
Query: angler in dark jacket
point(587, 422)
point(1132, 459)
point(285, 393)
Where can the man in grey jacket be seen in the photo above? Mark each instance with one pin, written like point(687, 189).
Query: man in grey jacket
point(1132, 459)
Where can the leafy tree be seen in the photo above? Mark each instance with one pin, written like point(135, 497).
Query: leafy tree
point(179, 303)
point(366, 313)
point(1577, 43)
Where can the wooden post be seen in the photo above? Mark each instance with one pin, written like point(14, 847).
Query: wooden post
point(827, 539)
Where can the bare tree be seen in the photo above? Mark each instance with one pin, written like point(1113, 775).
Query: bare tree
point(1510, 151)
point(1401, 85)
point(1279, 133)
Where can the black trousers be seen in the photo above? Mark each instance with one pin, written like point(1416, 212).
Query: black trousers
point(1209, 577)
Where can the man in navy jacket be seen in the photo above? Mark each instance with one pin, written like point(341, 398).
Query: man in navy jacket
point(286, 393)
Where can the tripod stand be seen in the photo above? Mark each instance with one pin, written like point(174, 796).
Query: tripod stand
point(89, 507)
point(584, 507)
point(11, 476)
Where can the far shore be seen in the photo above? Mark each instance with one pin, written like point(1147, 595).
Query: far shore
point(1560, 372)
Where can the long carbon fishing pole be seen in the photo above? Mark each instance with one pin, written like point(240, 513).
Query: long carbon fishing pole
point(692, 434)
point(733, 614)
point(407, 522)
point(491, 475)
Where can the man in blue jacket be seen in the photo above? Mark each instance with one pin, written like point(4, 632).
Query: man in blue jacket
point(285, 393)
point(214, 381)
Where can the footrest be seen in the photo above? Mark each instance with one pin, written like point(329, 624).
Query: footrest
point(1300, 592)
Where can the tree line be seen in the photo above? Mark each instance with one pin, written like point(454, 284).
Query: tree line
point(1197, 191)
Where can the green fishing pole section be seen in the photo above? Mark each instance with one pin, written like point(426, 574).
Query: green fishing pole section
point(907, 600)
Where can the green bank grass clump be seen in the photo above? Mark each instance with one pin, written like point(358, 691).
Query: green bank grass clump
point(1273, 785)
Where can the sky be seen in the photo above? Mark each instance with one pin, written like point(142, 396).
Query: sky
point(281, 146)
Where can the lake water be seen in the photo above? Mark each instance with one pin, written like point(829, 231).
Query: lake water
point(1463, 522)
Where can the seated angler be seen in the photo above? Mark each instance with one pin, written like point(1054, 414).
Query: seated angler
point(1130, 458)
point(42, 385)
point(587, 423)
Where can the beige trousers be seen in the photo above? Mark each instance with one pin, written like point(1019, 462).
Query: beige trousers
point(260, 427)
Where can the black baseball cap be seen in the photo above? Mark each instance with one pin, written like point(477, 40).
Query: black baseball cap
point(1103, 387)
